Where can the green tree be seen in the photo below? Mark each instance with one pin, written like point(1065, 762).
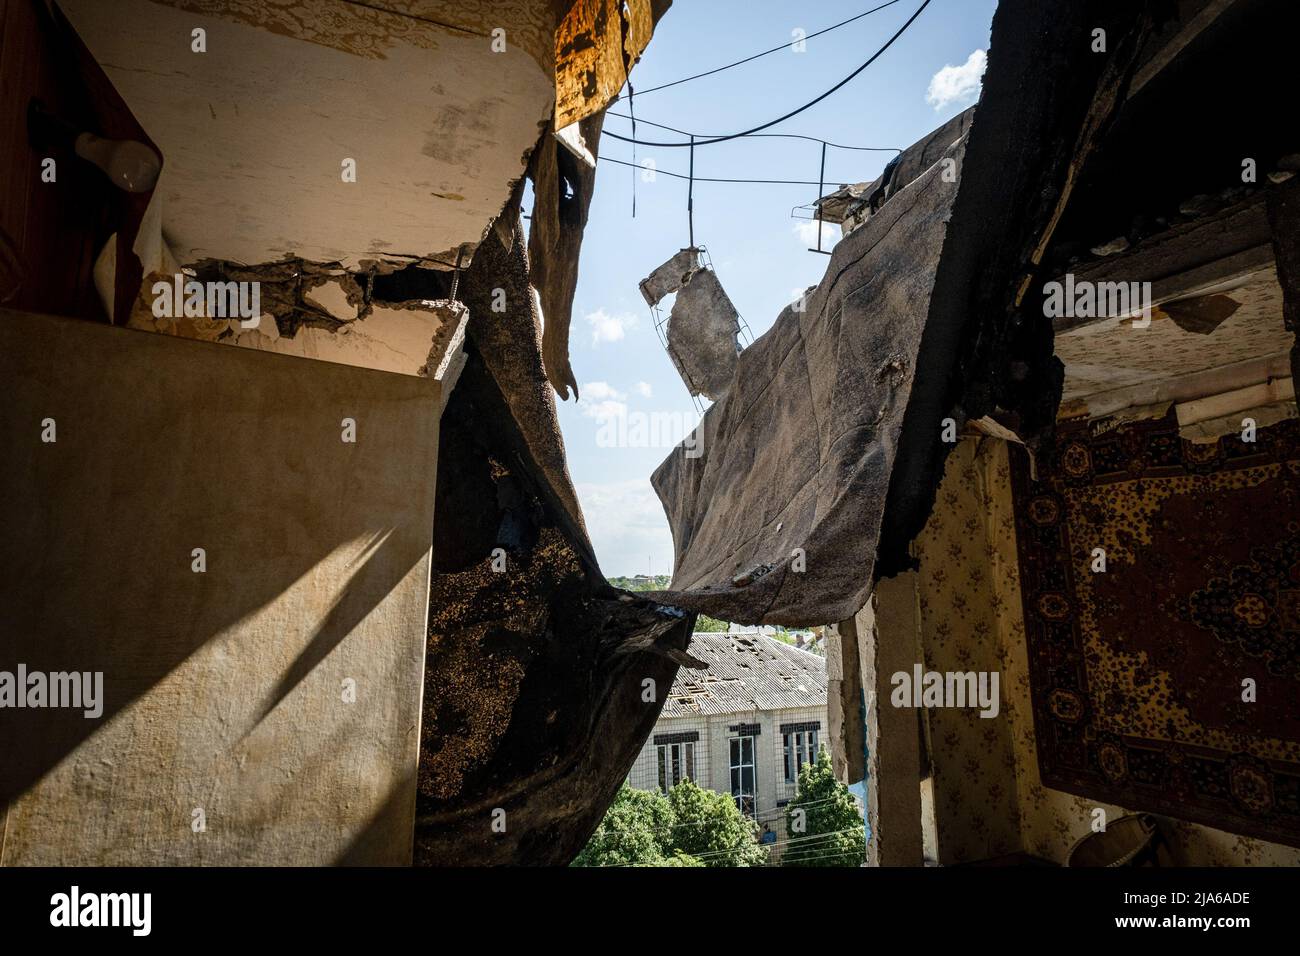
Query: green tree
point(661, 582)
point(823, 822)
point(705, 623)
point(635, 831)
point(648, 829)
point(712, 829)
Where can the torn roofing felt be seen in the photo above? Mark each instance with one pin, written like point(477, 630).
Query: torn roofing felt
point(535, 666)
point(797, 455)
point(811, 476)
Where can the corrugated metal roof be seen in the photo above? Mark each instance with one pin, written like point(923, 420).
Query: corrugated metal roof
point(746, 672)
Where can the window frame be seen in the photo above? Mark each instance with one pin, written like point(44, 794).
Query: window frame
point(737, 764)
point(800, 751)
point(674, 762)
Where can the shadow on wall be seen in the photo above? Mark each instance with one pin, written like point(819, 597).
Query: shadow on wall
point(165, 446)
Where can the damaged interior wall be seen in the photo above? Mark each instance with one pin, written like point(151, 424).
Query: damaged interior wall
point(200, 534)
point(1122, 687)
point(537, 676)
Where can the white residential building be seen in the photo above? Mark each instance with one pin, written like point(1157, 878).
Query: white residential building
point(744, 727)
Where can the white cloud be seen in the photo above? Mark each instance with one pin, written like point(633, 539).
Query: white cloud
point(599, 391)
point(806, 232)
point(957, 84)
point(603, 411)
point(627, 526)
point(644, 390)
point(609, 328)
point(601, 401)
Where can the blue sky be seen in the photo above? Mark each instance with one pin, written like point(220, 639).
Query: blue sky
point(757, 249)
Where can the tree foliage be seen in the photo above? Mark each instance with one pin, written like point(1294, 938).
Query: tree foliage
point(705, 623)
point(631, 832)
point(711, 828)
point(661, 582)
point(823, 822)
point(648, 829)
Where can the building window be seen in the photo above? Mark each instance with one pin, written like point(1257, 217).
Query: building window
point(742, 773)
point(800, 748)
point(676, 763)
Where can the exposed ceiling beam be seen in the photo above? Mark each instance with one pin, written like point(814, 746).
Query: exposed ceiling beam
point(1193, 27)
point(1191, 259)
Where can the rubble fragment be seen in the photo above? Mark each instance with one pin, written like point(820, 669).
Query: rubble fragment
point(703, 332)
point(670, 276)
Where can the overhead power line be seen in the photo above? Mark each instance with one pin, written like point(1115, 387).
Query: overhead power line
point(780, 119)
point(775, 49)
point(764, 815)
point(707, 179)
point(812, 139)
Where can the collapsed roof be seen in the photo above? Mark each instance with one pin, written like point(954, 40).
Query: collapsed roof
point(848, 408)
point(931, 315)
point(745, 673)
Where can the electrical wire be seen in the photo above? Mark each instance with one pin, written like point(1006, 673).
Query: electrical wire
point(775, 49)
point(811, 844)
point(794, 112)
point(769, 814)
point(706, 179)
point(811, 139)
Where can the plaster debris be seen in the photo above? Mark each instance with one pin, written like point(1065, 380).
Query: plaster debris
point(1110, 248)
point(445, 350)
point(1199, 205)
point(340, 296)
point(670, 276)
point(703, 332)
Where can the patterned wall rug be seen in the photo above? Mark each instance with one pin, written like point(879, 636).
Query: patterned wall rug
point(1137, 671)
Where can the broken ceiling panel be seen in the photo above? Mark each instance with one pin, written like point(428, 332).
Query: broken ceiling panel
point(703, 331)
point(294, 94)
point(1112, 354)
point(409, 338)
point(596, 45)
point(670, 276)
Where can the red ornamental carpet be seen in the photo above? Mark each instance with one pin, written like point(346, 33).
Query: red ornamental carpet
point(1138, 672)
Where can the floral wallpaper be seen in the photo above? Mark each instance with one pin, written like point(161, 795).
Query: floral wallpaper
point(988, 798)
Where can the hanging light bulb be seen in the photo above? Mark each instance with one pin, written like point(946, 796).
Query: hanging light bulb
point(129, 165)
